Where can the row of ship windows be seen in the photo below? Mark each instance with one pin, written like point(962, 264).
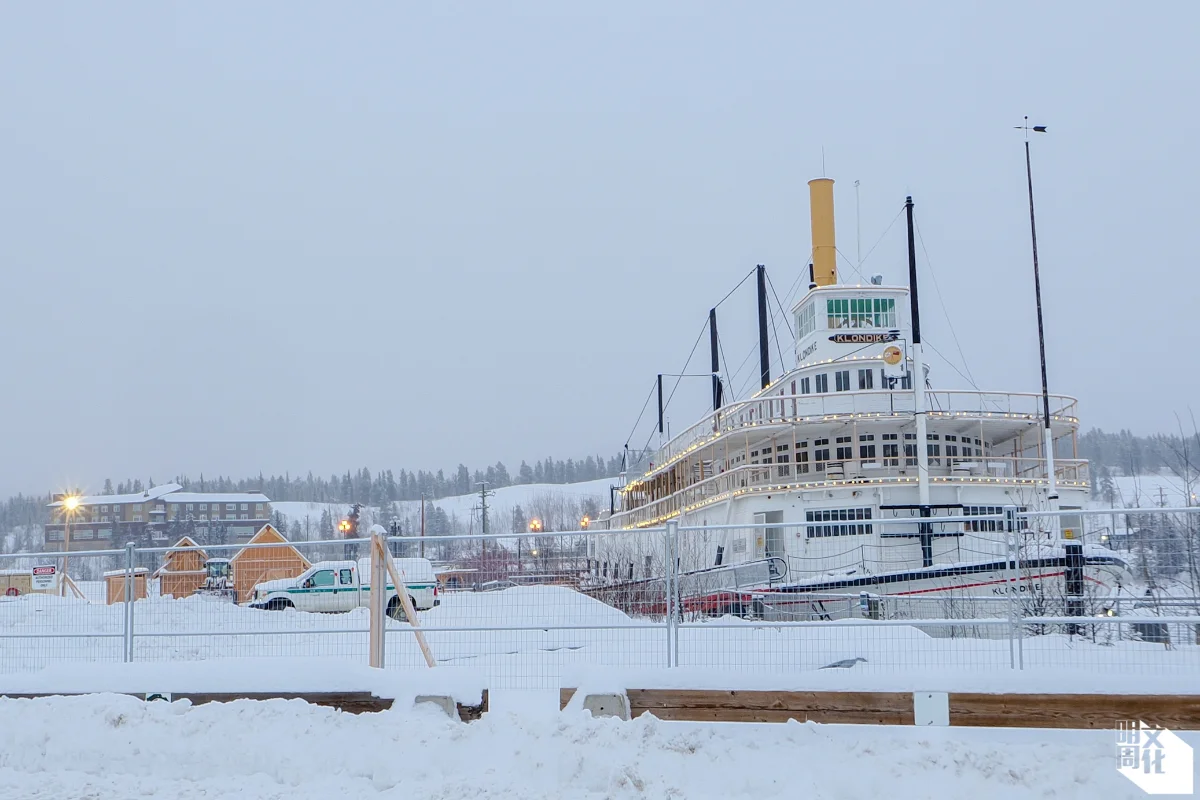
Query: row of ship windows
point(872, 312)
point(856, 521)
point(842, 382)
point(843, 450)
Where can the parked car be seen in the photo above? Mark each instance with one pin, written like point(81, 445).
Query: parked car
point(338, 586)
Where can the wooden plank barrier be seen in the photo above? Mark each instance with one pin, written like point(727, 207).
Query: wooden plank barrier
point(969, 709)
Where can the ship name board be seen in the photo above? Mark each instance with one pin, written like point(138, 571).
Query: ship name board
point(864, 338)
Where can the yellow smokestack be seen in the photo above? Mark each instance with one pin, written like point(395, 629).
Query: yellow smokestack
point(824, 249)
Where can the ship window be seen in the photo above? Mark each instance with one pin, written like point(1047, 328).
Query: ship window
point(866, 379)
point(822, 383)
point(852, 517)
point(845, 453)
point(821, 453)
point(866, 451)
point(805, 386)
point(910, 454)
point(806, 321)
point(867, 312)
point(891, 455)
point(843, 380)
point(802, 461)
point(889, 437)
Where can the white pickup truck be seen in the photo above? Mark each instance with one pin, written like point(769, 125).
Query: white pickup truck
point(339, 586)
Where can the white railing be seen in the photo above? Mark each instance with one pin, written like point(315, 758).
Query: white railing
point(779, 409)
point(641, 510)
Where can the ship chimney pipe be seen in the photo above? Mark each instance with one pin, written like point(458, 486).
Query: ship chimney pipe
point(716, 364)
point(764, 353)
point(812, 281)
point(824, 246)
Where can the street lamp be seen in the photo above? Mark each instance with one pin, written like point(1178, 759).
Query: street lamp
point(70, 504)
point(583, 523)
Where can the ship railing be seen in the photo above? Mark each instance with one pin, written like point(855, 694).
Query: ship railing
point(778, 409)
point(639, 509)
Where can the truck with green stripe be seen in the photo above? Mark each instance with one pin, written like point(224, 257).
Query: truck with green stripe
point(332, 587)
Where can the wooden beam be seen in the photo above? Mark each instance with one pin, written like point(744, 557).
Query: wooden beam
point(879, 708)
point(1073, 710)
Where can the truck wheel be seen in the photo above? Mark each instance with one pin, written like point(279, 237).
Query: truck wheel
point(278, 604)
point(396, 611)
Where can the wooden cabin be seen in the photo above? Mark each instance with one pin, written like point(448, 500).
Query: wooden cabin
point(254, 565)
point(114, 585)
point(182, 571)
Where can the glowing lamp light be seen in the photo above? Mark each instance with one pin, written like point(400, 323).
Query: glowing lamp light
point(71, 502)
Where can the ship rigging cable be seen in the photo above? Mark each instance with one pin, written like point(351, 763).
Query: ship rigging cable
point(949, 322)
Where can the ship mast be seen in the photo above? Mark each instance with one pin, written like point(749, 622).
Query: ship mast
point(1052, 487)
point(918, 384)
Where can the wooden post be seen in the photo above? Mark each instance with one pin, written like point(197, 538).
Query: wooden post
point(377, 601)
point(406, 603)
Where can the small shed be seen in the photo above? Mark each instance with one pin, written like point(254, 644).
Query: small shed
point(15, 582)
point(114, 585)
point(254, 565)
point(182, 570)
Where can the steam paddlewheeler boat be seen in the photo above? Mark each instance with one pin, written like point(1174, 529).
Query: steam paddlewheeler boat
point(840, 469)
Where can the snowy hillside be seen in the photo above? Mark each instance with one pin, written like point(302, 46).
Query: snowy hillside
point(1149, 491)
point(549, 501)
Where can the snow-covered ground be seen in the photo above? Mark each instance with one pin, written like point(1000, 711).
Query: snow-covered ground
point(528, 637)
point(119, 748)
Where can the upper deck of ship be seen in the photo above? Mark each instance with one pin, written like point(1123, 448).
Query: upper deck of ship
point(846, 411)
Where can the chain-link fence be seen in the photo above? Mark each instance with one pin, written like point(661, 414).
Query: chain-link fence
point(998, 589)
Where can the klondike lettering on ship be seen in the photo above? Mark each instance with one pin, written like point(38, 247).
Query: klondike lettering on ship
point(864, 338)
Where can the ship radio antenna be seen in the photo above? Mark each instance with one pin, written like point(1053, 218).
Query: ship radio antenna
point(858, 227)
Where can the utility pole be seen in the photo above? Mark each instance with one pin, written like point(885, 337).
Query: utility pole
point(422, 524)
point(484, 494)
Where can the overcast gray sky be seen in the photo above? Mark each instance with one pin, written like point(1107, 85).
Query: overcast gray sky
point(291, 236)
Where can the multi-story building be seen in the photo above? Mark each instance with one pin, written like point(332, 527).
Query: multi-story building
point(158, 515)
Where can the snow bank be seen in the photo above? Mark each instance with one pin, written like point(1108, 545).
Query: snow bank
point(118, 747)
point(283, 675)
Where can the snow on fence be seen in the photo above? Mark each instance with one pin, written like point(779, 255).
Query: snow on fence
point(528, 606)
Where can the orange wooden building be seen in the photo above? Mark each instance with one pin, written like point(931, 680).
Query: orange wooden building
point(182, 570)
point(254, 565)
point(114, 585)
